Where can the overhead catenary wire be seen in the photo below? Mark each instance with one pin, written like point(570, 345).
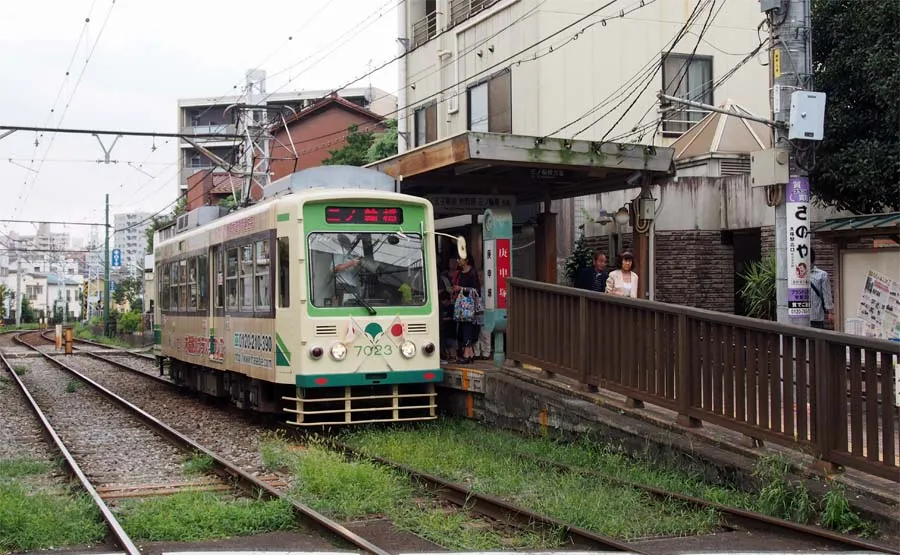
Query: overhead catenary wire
point(23, 197)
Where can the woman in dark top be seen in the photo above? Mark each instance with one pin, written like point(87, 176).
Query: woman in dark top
point(466, 283)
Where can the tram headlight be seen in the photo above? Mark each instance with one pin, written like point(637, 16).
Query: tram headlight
point(338, 351)
point(316, 352)
point(408, 349)
point(428, 348)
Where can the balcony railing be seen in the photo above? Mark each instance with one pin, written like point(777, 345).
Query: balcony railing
point(221, 129)
point(424, 29)
point(461, 10)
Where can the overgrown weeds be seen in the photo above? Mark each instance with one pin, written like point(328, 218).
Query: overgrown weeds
point(198, 463)
point(18, 467)
point(358, 489)
point(73, 386)
point(491, 462)
point(838, 515)
point(198, 516)
point(20, 370)
point(31, 521)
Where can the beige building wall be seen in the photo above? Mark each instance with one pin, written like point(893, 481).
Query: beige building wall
point(559, 87)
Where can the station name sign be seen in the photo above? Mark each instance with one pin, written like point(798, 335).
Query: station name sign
point(470, 204)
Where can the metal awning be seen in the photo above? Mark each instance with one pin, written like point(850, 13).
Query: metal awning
point(533, 169)
point(886, 225)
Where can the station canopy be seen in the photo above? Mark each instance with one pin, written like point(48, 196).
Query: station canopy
point(533, 169)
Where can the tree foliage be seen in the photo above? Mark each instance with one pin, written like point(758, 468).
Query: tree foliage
point(4, 294)
point(582, 257)
point(28, 316)
point(162, 221)
point(856, 57)
point(758, 292)
point(365, 147)
point(128, 289)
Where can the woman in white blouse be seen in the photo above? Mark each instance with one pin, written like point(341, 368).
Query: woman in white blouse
point(623, 282)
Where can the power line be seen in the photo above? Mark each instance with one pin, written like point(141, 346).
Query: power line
point(50, 222)
point(27, 190)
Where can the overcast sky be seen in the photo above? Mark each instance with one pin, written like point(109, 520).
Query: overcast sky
point(150, 53)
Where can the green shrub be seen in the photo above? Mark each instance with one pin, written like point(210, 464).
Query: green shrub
point(758, 292)
point(129, 322)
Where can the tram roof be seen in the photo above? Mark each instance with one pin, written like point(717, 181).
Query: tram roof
point(530, 168)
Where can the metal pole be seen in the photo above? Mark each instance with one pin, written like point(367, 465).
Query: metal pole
point(18, 287)
point(106, 323)
point(791, 38)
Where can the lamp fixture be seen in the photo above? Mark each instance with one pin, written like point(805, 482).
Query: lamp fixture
point(622, 216)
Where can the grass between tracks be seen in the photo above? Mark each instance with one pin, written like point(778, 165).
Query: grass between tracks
point(31, 519)
point(490, 461)
point(358, 489)
point(196, 516)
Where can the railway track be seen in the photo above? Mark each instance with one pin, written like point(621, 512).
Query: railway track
point(99, 435)
point(503, 511)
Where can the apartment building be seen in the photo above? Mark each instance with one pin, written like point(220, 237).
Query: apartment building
point(471, 66)
point(210, 115)
point(130, 236)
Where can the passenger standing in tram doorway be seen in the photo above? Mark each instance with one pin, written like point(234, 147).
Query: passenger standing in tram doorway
point(466, 290)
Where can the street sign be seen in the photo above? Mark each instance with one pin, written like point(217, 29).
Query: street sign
point(470, 204)
point(116, 261)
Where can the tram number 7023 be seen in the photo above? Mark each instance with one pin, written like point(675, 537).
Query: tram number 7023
point(369, 350)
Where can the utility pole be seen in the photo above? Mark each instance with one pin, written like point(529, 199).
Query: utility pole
point(107, 331)
point(791, 71)
point(18, 287)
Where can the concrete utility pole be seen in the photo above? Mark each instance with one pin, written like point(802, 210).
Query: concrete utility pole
point(107, 327)
point(18, 287)
point(791, 71)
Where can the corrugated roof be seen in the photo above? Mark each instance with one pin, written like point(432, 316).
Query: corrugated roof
point(223, 182)
point(720, 133)
point(887, 223)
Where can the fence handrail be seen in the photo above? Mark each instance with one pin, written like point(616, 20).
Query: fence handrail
point(754, 324)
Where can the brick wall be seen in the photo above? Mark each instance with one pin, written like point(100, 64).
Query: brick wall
point(694, 268)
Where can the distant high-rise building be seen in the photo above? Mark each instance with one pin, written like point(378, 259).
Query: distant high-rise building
point(130, 237)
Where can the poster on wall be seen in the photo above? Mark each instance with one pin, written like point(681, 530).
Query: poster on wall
point(798, 248)
point(879, 306)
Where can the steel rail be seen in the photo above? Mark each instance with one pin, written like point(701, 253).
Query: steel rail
point(494, 507)
point(803, 529)
point(225, 468)
point(121, 537)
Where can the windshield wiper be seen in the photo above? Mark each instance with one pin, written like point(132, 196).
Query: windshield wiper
point(355, 292)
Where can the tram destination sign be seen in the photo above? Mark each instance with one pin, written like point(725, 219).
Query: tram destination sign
point(363, 215)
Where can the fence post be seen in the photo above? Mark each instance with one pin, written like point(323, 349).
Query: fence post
point(584, 361)
point(683, 374)
point(831, 386)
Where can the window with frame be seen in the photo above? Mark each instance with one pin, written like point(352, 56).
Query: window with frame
point(192, 284)
point(284, 272)
point(202, 282)
point(689, 78)
point(490, 104)
point(173, 286)
point(219, 262)
point(231, 279)
point(262, 288)
point(426, 124)
point(246, 284)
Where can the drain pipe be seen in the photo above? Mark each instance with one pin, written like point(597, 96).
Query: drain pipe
point(651, 246)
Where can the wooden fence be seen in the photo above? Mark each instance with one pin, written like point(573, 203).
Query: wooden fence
point(830, 394)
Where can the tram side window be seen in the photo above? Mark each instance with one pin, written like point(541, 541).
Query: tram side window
point(219, 262)
point(284, 272)
point(192, 284)
point(247, 278)
point(183, 299)
point(163, 285)
point(202, 282)
point(261, 276)
point(231, 279)
point(173, 286)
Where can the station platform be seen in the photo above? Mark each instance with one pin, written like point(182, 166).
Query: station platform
point(526, 399)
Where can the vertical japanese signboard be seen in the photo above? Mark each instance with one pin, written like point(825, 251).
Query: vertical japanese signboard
point(504, 269)
point(798, 249)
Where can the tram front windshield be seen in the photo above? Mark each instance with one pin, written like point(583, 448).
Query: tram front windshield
point(366, 269)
